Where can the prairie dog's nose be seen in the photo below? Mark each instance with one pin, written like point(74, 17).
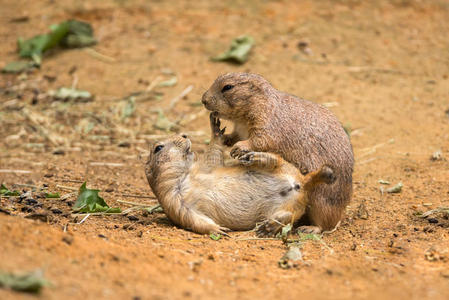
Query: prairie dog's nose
point(204, 98)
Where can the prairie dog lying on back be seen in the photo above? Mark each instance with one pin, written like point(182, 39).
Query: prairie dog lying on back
point(206, 196)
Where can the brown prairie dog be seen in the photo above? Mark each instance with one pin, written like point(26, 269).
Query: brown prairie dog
point(304, 133)
point(206, 196)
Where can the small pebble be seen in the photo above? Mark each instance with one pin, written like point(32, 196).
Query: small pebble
point(133, 218)
point(432, 220)
point(56, 211)
point(437, 155)
point(26, 209)
point(58, 152)
point(124, 144)
point(428, 229)
point(68, 239)
point(31, 201)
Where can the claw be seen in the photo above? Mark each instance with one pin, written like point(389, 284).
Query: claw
point(222, 230)
point(309, 229)
point(247, 157)
point(234, 152)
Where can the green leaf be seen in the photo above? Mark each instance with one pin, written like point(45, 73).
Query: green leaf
point(36, 46)
point(348, 129)
point(30, 283)
point(154, 209)
point(215, 236)
point(308, 236)
point(238, 51)
point(4, 191)
point(171, 82)
point(70, 33)
point(18, 66)
point(89, 201)
point(285, 231)
point(52, 195)
point(70, 94)
point(80, 34)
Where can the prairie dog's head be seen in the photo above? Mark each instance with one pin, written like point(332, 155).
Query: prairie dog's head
point(171, 158)
point(230, 95)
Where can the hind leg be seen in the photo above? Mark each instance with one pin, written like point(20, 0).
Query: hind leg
point(325, 209)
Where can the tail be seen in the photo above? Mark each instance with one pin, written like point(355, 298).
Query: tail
point(324, 175)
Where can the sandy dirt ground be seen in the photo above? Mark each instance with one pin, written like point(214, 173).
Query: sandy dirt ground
point(381, 66)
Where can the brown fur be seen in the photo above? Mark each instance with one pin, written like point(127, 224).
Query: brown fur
point(304, 133)
point(206, 196)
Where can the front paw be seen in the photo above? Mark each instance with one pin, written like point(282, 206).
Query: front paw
point(247, 159)
point(268, 228)
point(240, 149)
point(217, 133)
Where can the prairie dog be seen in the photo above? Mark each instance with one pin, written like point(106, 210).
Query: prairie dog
point(304, 133)
point(207, 196)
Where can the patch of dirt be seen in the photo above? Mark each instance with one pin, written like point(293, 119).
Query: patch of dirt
point(381, 67)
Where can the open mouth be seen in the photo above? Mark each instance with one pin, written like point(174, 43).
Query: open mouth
point(188, 146)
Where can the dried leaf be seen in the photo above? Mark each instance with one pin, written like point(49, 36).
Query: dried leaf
point(162, 123)
point(395, 189)
point(171, 82)
point(70, 94)
point(129, 108)
point(18, 66)
point(293, 255)
point(381, 181)
point(238, 51)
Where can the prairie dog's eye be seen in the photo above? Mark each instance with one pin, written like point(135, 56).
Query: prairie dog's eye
point(158, 148)
point(226, 88)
